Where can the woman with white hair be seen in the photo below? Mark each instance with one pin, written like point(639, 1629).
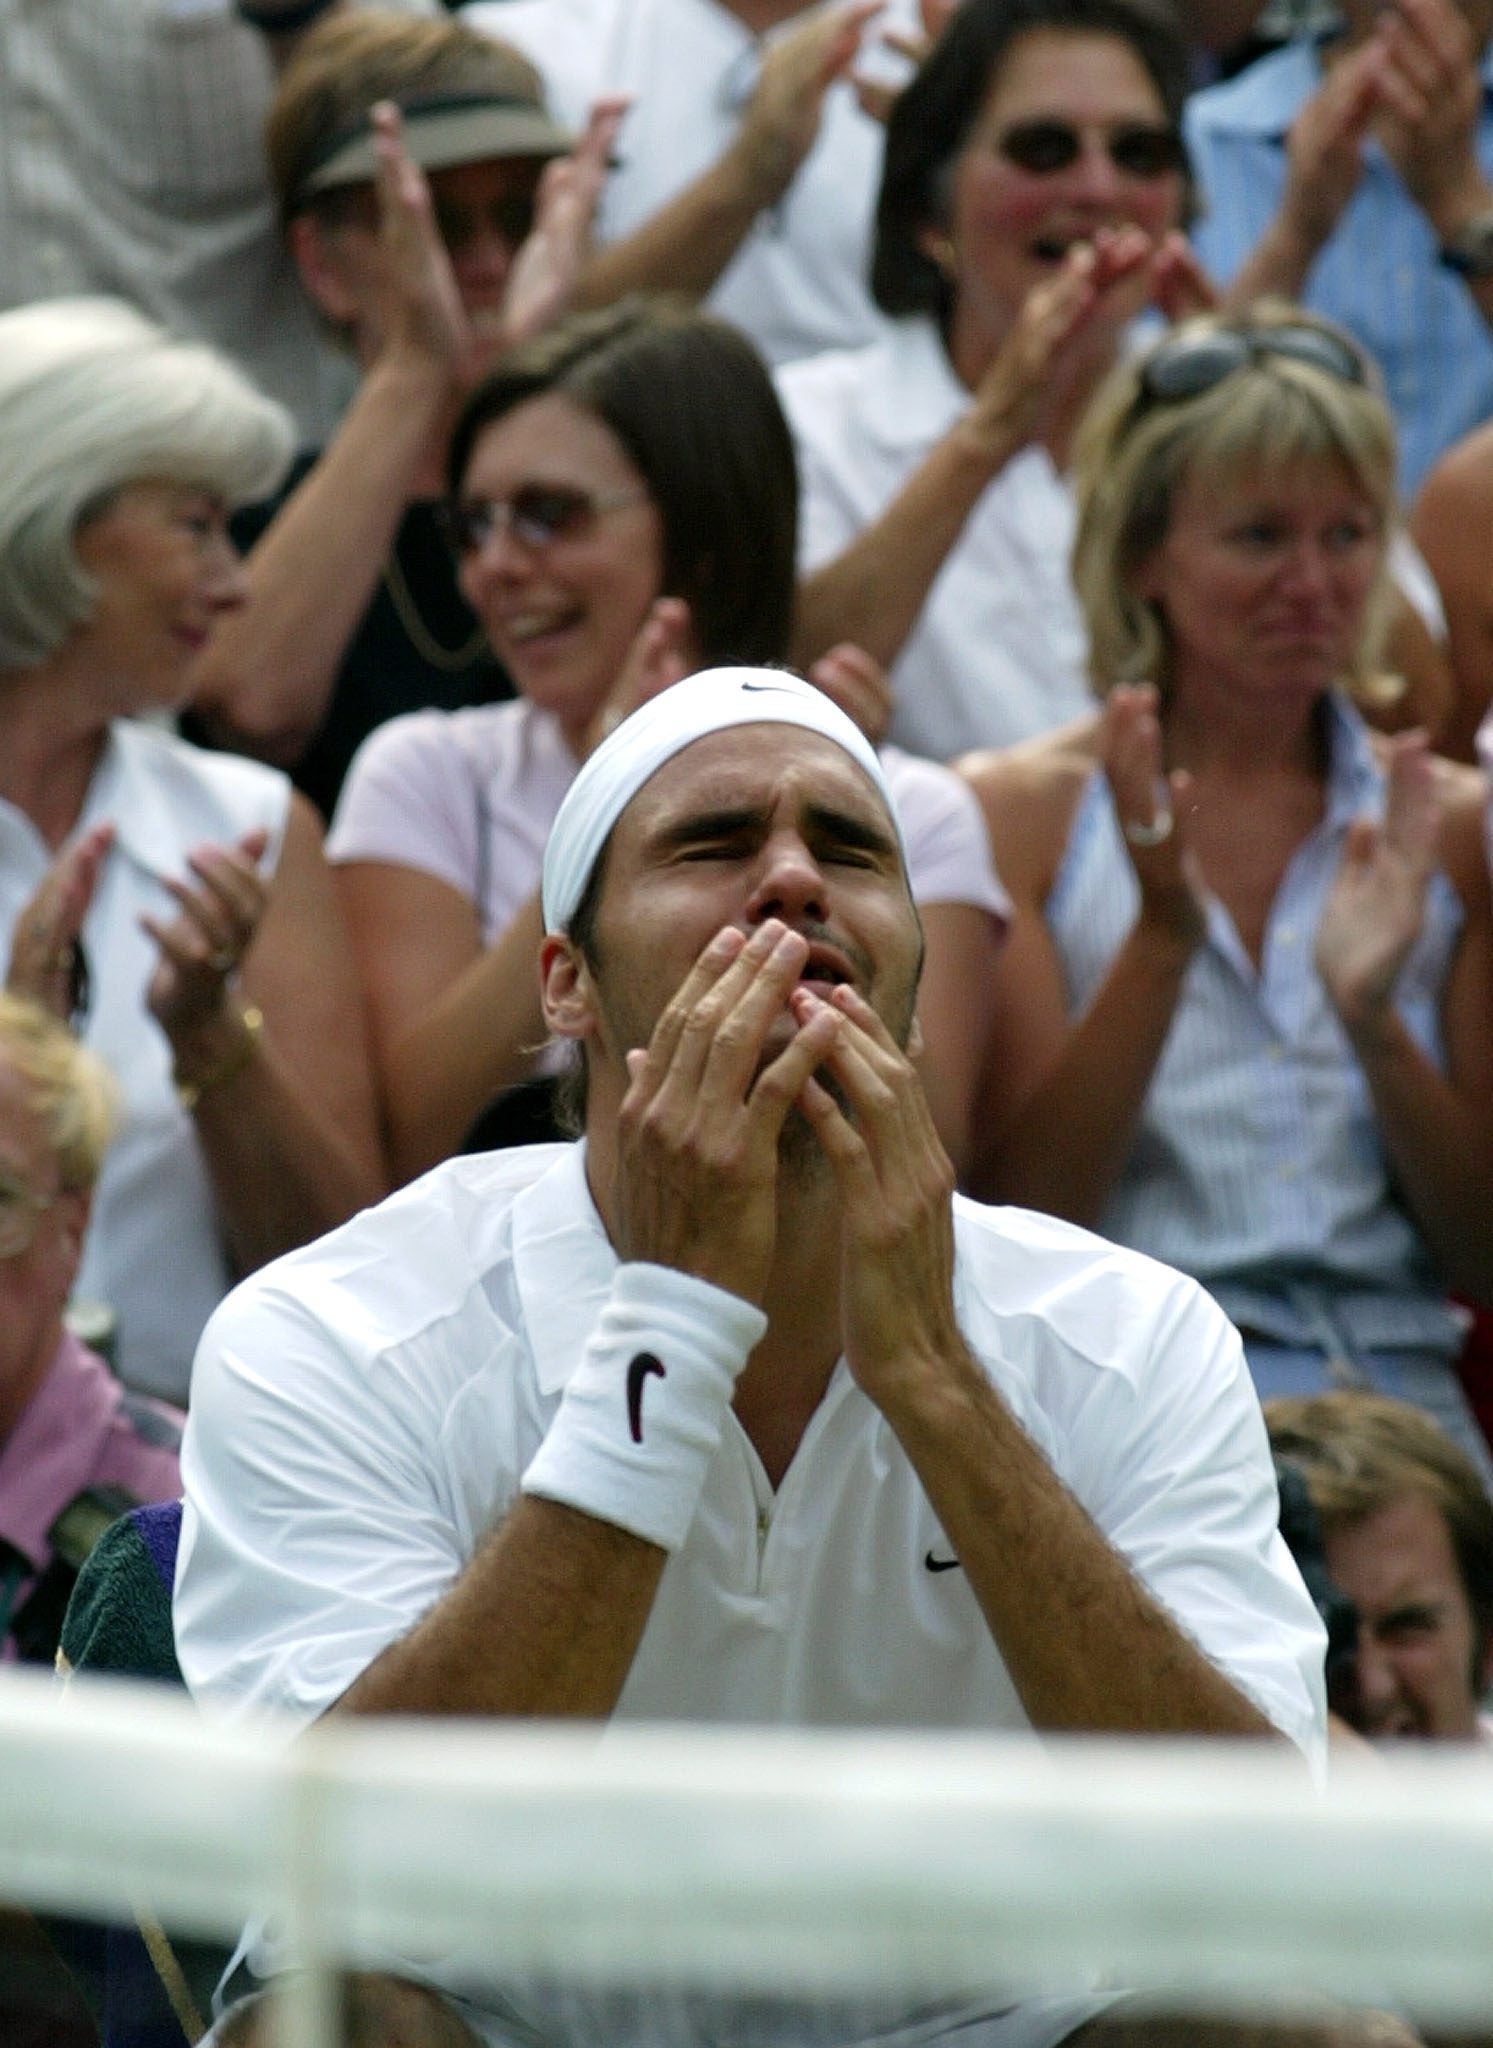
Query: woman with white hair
point(176, 904)
point(1242, 1019)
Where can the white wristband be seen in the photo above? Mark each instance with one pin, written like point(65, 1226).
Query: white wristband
point(641, 1415)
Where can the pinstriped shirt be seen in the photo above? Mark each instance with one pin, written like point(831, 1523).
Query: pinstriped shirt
point(1378, 274)
point(132, 162)
point(1257, 1165)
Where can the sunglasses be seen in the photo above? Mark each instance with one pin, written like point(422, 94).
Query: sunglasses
point(1187, 365)
point(536, 514)
point(510, 218)
point(1137, 149)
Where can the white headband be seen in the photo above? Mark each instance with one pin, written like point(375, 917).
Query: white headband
point(710, 702)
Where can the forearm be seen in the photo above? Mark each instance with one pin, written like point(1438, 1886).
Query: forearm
point(546, 1620)
point(1088, 1648)
point(1066, 1143)
point(268, 672)
point(477, 1037)
point(684, 247)
point(1440, 1160)
point(872, 593)
point(283, 1171)
point(1277, 267)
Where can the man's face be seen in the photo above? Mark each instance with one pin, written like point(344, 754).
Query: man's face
point(1421, 1661)
point(756, 822)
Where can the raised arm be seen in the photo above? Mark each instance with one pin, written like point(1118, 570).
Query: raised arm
point(686, 245)
point(548, 1615)
point(1437, 1128)
point(872, 592)
point(267, 675)
point(1088, 1646)
point(273, 1068)
point(1061, 1097)
point(1452, 525)
point(453, 1021)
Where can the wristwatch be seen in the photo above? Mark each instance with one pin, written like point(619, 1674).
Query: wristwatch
point(1469, 252)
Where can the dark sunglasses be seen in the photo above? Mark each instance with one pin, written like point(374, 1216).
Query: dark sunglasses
point(536, 514)
point(1187, 365)
point(510, 218)
point(1137, 149)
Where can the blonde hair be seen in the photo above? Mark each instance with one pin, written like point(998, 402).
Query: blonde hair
point(68, 1087)
point(1132, 455)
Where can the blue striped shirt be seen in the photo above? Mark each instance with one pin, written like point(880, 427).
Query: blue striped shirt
point(1378, 275)
point(1257, 1164)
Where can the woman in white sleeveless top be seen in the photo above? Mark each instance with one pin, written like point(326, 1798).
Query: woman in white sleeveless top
point(176, 905)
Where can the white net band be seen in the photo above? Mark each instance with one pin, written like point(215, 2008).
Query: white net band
point(822, 1862)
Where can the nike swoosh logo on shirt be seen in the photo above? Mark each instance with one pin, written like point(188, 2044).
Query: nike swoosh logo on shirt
point(940, 1564)
point(644, 1364)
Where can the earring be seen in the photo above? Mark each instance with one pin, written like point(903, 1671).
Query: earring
point(940, 251)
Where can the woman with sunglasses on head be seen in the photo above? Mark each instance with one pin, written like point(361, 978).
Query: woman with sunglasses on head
point(1034, 178)
point(624, 506)
point(1242, 1019)
point(176, 904)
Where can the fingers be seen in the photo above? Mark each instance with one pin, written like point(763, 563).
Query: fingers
point(46, 962)
point(857, 682)
point(843, 37)
point(1131, 743)
point(220, 914)
point(1413, 806)
point(1180, 286)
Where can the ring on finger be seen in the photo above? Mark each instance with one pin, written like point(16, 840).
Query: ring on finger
point(1155, 834)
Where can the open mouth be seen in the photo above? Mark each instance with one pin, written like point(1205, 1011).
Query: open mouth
point(825, 971)
point(525, 629)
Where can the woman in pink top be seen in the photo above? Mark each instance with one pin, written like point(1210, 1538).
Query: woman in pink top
point(624, 509)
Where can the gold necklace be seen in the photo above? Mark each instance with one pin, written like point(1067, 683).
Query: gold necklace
point(449, 660)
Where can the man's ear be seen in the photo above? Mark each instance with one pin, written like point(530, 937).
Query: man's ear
point(315, 257)
point(566, 990)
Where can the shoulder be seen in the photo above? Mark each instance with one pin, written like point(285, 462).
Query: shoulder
point(397, 1304)
point(1260, 100)
point(821, 393)
point(1449, 517)
point(1072, 1317)
point(1029, 794)
point(1463, 845)
point(172, 790)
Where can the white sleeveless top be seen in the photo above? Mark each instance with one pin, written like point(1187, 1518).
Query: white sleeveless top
point(154, 1252)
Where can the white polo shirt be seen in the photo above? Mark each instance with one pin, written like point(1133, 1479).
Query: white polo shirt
point(998, 652)
point(798, 281)
point(363, 1411)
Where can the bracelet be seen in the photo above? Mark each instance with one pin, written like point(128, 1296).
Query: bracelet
point(232, 1064)
point(281, 21)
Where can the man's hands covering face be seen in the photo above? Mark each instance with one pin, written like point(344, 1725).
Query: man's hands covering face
point(698, 1159)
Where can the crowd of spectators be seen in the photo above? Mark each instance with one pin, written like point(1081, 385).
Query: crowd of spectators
point(872, 609)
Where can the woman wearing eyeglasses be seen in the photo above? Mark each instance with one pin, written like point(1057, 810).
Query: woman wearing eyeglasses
point(176, 904)
point(623, 506)
point(1034, 175)
point(1242, 1020)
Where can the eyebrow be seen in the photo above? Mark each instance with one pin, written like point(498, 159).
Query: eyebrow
point(821, 823)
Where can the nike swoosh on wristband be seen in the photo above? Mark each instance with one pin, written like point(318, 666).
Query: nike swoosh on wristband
point(644, 1364)
point(940, 1564)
